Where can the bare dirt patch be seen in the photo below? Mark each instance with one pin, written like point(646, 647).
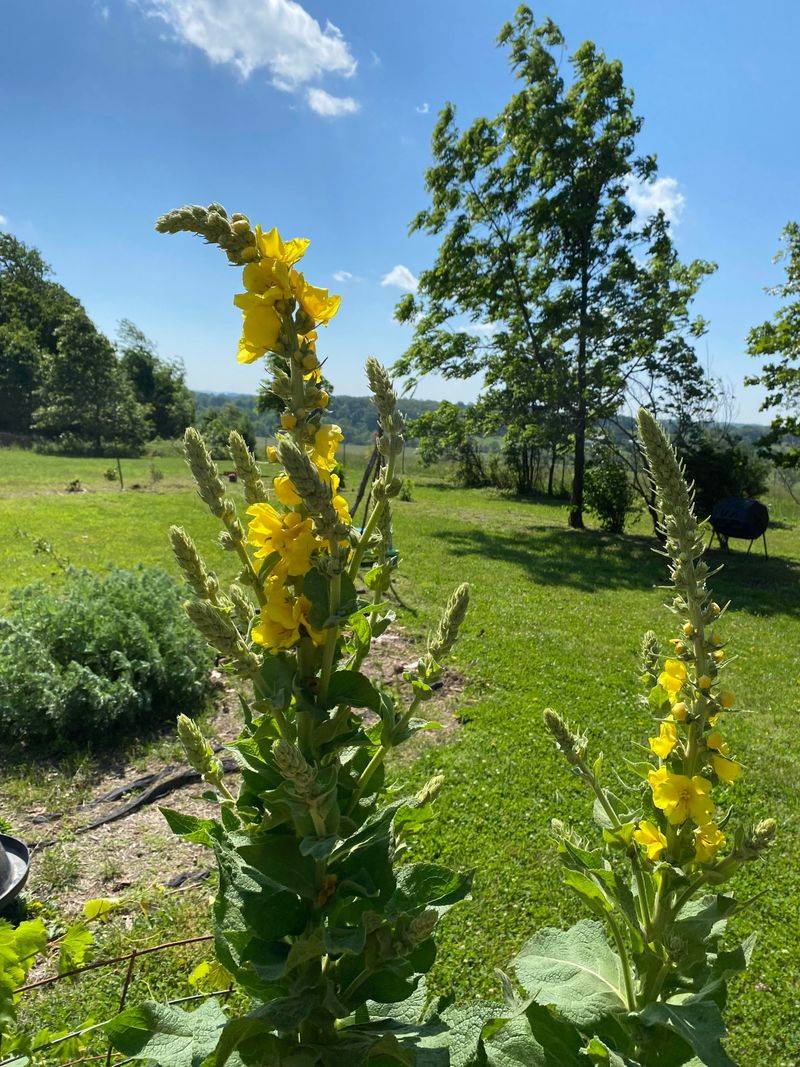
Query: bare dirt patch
point(138, 850)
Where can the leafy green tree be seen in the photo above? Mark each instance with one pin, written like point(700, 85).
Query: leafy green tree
point(780, 338)
point(158, 384)
point(445, 433)
point(31, 306)
point(216, 425)
point(539, 240)
point(86, 400)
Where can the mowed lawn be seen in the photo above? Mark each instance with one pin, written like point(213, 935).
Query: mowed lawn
point(556, 620)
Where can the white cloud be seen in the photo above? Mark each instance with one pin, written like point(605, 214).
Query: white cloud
point(3, 220)
point(342, 276)
point(376, 59)
point(661, 194)
point(423, 109)
point(401, 278)
point(331, 107)
point(278, 35)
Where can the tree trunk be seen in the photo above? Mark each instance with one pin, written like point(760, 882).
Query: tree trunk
point(579, 465)
point(551, 471)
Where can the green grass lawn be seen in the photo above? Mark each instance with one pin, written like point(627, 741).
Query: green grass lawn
point(556, 620)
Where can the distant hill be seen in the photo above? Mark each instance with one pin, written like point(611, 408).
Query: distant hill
point(355, 414)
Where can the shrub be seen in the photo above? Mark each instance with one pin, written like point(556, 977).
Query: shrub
point(608, 492)
point(99, 656)
point(406, 490)
point(721, 465)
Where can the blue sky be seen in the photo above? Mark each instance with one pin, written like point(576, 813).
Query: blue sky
point(317, 118)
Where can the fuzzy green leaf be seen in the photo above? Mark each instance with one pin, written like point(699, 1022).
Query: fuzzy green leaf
point(75, 943)
point(189, 827)
point(575, 970)
point(352, 688)
point(698, 1022)
point(169, 1037)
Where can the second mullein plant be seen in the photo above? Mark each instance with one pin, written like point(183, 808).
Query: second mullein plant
point(318, 925)
point(643, 984)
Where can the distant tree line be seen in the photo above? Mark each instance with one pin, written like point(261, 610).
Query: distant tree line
point(355, 414)
point(67, 386)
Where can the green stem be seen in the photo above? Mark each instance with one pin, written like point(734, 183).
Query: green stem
point(334, 598)
point(371, 523)
point(624, 956)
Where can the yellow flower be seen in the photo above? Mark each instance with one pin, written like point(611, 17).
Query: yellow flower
point(272, 454)
point(288, 420)
point(261, 328)
point(726, 699)
point(716, 741)
point(727, 769)
point(666, 740)
point(285, 491)
point(673, 676)
point(326, 441)
point(271, 246)
point(719, 655)
point(688, 629)
point(704, 682)
point(317, 303)
point(650, 838)
point(708, 840)
point(268, 279)
point(679, 711)
point(323, 400)
point(681, 797)
point(289, 534)
point(281, 619)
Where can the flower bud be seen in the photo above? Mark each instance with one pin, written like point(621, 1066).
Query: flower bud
point(571, 745)
point(292, 764)
point(204, 470)
point(444, 638)
point(199, 754)
point(190, 562)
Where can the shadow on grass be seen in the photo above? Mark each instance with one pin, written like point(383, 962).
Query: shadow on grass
point(590, 561)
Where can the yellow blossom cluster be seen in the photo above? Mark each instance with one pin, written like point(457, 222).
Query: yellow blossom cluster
point(691, 751)
point(271, 286)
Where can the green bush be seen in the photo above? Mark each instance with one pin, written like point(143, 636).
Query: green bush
point(608, 492)
point(99, 656)
point(720, 465)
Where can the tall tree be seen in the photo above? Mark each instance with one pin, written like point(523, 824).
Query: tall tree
point(538, 237)
point(31, 306)
point(158, 384)
point(780, 338)
point(86, 399)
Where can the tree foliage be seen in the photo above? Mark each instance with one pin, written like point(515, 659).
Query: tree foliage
point(159, 385)
point(217, 423)
point(31, 307)
point(780, 338)
point(445, 433)
point(543, 279)
point(86, 399)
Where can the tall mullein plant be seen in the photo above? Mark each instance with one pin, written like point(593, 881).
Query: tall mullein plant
point(316, 920)
point(644, 983)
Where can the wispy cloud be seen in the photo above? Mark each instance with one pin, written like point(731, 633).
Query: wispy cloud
point(423, 109)
point(331, 107)
point(3, 220)
point(342, 276)
point(401, 278)
point(279, 36)
point(661, 194)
